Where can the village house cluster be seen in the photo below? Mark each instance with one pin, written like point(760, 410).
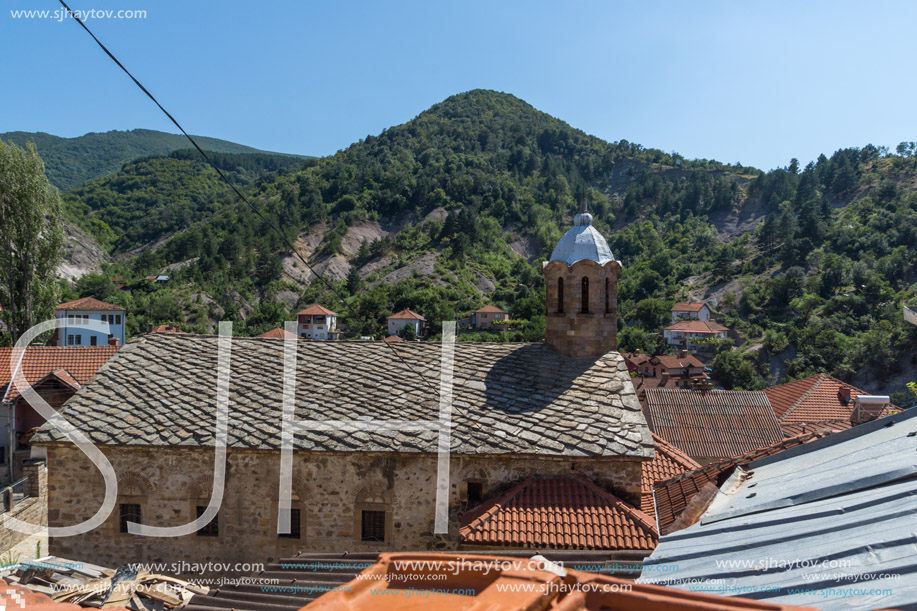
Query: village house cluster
point(558, 447)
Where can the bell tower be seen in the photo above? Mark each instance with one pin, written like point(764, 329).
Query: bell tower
point(581, 282)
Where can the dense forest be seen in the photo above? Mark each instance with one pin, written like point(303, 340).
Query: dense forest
point(459, 207)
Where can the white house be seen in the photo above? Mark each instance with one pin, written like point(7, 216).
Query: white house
point(690, 334)
point(690, 311)
point(85, 310)
point(403, 318)
point(317, 322)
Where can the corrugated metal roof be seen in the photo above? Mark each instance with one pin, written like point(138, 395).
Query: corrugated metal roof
point(849, 500)
point(715, 424)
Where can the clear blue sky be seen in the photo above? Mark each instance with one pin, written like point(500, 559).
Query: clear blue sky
point(756, 83)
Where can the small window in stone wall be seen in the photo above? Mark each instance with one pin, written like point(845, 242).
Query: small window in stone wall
point(584, 306)
point(475, 492)
point(129, 512)
point(213, 528)
point(560, 295)
point(295, 526)
point(373, 526)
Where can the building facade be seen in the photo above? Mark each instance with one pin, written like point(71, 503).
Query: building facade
point(317, 322)
point(404, 318)
point(83, 311)
point(487, 317)
point(691, 311)
point(694, 334)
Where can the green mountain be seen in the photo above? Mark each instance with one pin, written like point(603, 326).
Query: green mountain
point(457, 208)
point(71, 162)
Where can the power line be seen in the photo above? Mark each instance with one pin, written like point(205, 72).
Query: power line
point(228, 182)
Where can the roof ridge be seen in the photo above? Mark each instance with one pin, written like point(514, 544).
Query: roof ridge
point(619, 503)
point(806, 395)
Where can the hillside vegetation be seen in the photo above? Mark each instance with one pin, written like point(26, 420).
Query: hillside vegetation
point(458, 207)
point(71, 162)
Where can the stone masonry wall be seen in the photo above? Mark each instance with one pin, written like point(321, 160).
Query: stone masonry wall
point(33, 509)
point(330, 489)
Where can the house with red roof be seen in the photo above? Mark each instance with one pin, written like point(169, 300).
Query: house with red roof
point(55, 373)
point(79, 313)
point(317, 322)
point(691, 311)
point(406, 317)
point(693, 334)
point(486, 317)
point(824, 402)
point(665, 371)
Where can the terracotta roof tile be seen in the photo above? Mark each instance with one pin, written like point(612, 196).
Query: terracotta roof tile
point(558, 513)
point(78, 363)
point(276, 334)
point(316, 310)
point(406, 314)
point(688, 307)
point(697, 326)
point(672, 496)
point(393, 338)
point(714, 424)
point(88, 303)
point(166, 329)
point(490, 309)
point(677, 362)
point(669, 462)
point(813, 399)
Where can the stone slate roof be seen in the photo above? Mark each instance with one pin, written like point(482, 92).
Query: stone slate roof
point(508, 397)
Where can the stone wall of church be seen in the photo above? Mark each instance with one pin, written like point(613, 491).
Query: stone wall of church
point(571, 331)
point(330, 490)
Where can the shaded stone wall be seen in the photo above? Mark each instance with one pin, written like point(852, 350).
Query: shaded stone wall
point(330, 489)
point(33, 509)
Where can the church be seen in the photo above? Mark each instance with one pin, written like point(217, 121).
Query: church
point(554, 420)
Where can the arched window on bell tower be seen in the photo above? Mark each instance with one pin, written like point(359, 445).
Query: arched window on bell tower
point(560, 295)
point(585, 297)
point(607, 297)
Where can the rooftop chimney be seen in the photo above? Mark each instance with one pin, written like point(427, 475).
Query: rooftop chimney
point(112, 340)
point(844, 394)
point(682, 354)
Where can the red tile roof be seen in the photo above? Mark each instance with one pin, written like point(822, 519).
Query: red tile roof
point(641, 382)
point(813, 399)
point(393, 338)
point(406, 314)
point(518, 584)
point(88, 303)
point(835, 426)
point(166, 329)
point(688, 307)
point(558, 513)
point(277, 334)
point(713, 424)
point(316, 310)
point(677, 362)
point(672, 496)
point(490, 308)
point(636, 358)
point(669, 462)
point(79, 362)
point(697, 326)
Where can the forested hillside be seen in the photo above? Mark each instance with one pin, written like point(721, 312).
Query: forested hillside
point(71, 162)
point(458, 207)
